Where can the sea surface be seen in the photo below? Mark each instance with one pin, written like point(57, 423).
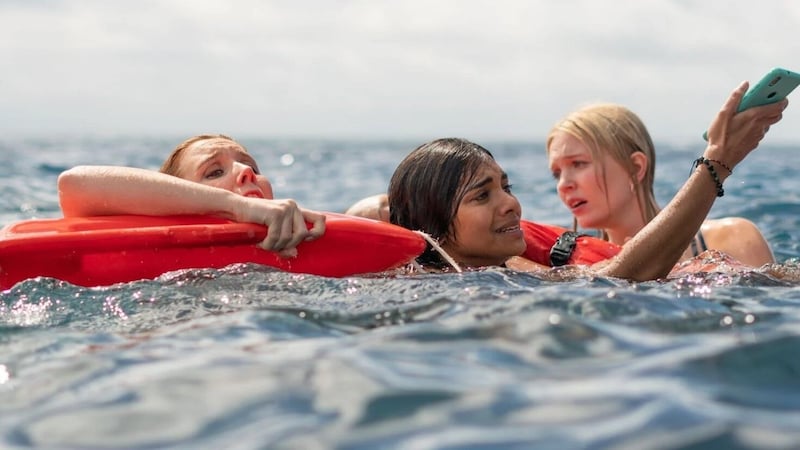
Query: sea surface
point(247, 357)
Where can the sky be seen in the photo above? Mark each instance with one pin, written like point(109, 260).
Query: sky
point(380, 69)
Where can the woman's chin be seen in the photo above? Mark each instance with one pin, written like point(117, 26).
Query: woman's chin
point(588, 224)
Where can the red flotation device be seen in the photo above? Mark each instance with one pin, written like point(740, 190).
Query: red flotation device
point(96, 251)
point(555, 246)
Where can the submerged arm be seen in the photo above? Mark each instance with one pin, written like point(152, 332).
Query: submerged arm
point(657, 247)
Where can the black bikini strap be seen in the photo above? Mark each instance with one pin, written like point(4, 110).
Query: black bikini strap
point(702, 241)
point(698, 238)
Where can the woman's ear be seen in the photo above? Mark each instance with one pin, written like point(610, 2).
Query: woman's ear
point(640, 163)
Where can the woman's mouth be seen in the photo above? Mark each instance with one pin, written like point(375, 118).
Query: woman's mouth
point(576, 204)
point(508, 229)
point(255, 194)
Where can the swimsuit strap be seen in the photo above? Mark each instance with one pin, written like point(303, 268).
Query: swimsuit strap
point(698, 238)
point(703, 246)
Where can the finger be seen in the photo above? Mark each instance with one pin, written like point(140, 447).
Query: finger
point(275, 220)
point(282, 227)
point(273, 236)
point(721, 124)
point(288, 253)
point(766, 112)
point(775, 113)
point(773, 108)
point(773, 119)
point(317, 224)
point(286, 227)
point(732, 104)
point(299, 230)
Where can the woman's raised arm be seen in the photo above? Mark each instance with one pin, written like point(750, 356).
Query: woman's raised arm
point(732, 136)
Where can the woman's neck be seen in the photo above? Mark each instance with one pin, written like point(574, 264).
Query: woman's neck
point(625, 228)
point(623, 223)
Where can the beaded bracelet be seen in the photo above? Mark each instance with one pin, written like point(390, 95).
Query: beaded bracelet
point(712, 171)
point(721, 164)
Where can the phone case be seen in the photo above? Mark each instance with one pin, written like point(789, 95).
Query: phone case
point(773, 87)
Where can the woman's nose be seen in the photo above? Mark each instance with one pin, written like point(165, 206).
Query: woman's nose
point(245, 174)
point(564, 183)
point(512, 204)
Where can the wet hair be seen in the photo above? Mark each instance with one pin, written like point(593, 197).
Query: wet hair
point(173, 161)
point(616, 130)
point(428, 185)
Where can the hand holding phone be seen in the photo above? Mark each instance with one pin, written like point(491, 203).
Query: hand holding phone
point(773, 87)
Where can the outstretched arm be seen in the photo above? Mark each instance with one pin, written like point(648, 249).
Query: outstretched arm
point(109, 190)
point(657, 247)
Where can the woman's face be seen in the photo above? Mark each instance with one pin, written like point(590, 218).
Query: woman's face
point(224, 164)
point(582, 189)
point(486, 225)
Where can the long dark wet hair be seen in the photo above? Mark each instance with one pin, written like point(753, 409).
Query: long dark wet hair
point(428, 186)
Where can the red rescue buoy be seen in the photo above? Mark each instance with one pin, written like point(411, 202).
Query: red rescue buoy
point(96, 251)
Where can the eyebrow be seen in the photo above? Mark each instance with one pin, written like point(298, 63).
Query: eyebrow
point(207, 160)
point(569, 157)
point(245, 157)
point(569, 154)
point(481, 183)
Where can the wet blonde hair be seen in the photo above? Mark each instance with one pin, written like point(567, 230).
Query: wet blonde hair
point(172, 163)
point(616, 130)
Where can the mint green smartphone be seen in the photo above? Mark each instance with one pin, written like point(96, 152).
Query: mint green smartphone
point(774, 87)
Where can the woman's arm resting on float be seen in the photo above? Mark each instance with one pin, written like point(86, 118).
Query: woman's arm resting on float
point(109, 190)
point(653, 252)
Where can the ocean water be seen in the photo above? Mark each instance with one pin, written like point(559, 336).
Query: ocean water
point(247, 357)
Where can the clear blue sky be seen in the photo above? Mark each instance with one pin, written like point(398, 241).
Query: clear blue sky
point(397, 69)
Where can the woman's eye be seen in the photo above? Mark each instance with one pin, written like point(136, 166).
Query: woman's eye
point(216, 173)
point(556, 175)
point(508, 187)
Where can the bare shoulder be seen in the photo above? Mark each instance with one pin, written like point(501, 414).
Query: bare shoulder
point(738, 237)
point(374, 207)
point(728, 228)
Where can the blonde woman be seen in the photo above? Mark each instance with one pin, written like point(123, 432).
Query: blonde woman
point(603, 161)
